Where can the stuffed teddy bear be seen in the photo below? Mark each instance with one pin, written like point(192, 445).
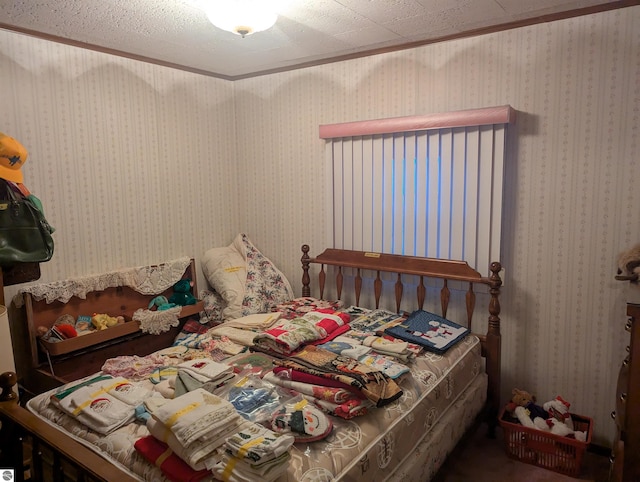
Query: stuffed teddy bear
point(629, 265)
point(182, 293)
point(552, 416)
point(527, 404)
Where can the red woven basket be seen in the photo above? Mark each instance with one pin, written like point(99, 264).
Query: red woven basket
point(554, 452)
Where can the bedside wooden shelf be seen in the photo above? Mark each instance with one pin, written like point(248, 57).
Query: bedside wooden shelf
point(90, 339)
point(43, 365)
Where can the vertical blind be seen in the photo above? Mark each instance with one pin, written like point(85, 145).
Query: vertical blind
point(432, 186)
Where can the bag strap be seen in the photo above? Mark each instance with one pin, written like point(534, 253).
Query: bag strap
point(7, 192)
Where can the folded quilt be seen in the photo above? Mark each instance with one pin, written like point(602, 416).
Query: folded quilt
point(244, 337)
point(327, 320)
point(372, 321)
point(351, 348)
point(374, 384)
point(339, 402)
point(387, 345)
point(102, 403)
point(286, 336)
point(330, 394)
point(174, 468)
point(347, 410)
point(287, 373)
point(193, 334)
point(299, 306)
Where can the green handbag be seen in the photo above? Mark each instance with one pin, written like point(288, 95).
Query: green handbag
point(25, 234)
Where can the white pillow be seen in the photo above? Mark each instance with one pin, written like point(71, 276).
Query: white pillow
point(226, 271)
point(246, 280)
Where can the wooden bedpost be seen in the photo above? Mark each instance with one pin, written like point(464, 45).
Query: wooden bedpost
point(306, 289)
point(493, 347)
point(11, 448)
point(7, 381)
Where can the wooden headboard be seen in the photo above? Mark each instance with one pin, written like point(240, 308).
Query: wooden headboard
point(424, 268)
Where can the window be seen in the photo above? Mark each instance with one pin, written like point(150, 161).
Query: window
point(422, 186)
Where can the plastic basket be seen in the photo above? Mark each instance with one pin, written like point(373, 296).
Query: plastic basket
point(554, 452)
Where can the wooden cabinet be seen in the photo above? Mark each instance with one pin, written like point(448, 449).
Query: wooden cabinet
point(625, 456)
point(41, 366)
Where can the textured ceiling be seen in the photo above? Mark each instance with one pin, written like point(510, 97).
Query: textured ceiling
point(177, 32)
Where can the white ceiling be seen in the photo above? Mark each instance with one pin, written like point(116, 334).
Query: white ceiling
point(177, 32)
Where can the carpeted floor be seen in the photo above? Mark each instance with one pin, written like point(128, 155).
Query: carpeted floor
point(481, 459)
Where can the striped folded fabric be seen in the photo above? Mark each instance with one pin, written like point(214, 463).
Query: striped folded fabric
point(172, 466)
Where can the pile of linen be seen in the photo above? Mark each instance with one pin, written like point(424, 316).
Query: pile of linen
point(103, 403)
point(207, 433)
point(286, 336)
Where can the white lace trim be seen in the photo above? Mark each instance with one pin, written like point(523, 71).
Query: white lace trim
point(156, 322)
point(147, 280)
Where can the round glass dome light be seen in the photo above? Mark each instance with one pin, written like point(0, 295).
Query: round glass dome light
point(242, 17)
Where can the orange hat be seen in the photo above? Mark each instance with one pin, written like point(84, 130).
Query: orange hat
point(12, 156)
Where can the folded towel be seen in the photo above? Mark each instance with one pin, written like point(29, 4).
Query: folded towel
point(205, 369)
point(233, 469)
point(256, 321)
point(186, 382)
point(244, 337)
point(95, 406)
point(194, 414)
point(256, 444)
point(174, 468)
point(202, 449)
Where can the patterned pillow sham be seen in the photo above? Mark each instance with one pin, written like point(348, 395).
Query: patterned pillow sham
point(245, 281)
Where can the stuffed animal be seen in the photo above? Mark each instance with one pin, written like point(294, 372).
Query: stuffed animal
point(103, 321)
point(629, 265)
point(182, 293)
point(558, 408)
point(527, 404)
point(161, 303)
point(64, 328)
point(559, 421)
point(530, 415)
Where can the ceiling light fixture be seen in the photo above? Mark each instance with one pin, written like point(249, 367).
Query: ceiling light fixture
point(242, 17)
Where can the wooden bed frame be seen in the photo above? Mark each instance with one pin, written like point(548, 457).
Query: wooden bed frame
point(49, 454)
point(424, 268)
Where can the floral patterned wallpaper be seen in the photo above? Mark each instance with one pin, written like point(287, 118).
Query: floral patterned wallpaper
point(137, 163)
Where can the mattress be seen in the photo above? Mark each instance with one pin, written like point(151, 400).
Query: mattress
point(405, 440)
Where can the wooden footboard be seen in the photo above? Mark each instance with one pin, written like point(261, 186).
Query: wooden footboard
point(425, 269)
point(37, 451)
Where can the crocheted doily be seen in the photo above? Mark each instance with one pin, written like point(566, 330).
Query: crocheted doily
point(156, 322)
point(147, 280)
